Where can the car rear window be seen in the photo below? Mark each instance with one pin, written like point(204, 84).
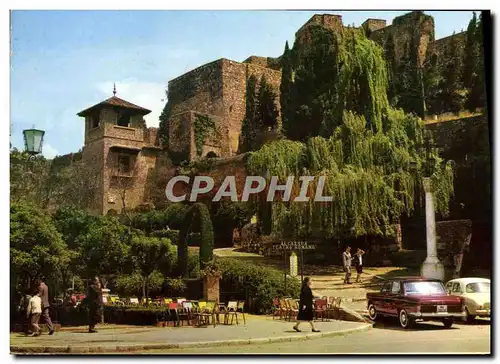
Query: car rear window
point(423, 287)
point(478, 287)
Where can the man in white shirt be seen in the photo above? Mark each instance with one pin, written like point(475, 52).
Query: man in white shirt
point(33, 312)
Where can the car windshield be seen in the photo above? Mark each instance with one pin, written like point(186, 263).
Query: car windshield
point(423, 287)
point(478, 287)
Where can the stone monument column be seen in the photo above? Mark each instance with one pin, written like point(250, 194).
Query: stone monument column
point(431, 267)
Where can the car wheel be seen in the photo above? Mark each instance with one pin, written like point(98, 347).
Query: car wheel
point(447, 322)
point(404, 320)
point(372, 312)
point(469, 318)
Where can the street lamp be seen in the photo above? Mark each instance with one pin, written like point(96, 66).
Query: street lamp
point(33, 141)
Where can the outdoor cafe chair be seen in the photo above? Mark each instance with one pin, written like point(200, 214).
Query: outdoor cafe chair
point(293, 308)
point(173, 315)
point(231, 311)
point(320, 309)
point(185, 312)
point(207, 312)
point(241, 308)
point(284, 312)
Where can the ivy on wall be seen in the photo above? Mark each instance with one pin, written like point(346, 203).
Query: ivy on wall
point(203, 126)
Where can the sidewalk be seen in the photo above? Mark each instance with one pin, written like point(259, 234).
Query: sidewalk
point(116, 339)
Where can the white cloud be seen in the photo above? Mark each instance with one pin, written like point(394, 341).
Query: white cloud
point(49, 152)
point(149, 95)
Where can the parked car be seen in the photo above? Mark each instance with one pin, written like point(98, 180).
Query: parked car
point(476, 295)
point(414, 298)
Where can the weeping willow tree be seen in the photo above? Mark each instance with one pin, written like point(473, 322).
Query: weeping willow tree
point(373, 157)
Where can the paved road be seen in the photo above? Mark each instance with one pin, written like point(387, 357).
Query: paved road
point(385, 337)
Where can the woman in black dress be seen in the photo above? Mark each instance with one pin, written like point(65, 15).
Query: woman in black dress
point(94, 300)
point(305, 305)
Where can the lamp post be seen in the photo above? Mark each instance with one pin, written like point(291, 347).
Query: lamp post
point(33, 141)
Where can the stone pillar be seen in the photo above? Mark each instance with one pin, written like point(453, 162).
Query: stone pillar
point(211, 289)
point(431, 267)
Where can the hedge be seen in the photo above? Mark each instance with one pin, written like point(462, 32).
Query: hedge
point(257, 284)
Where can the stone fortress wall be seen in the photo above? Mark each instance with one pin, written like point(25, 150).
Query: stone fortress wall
point(218, 88)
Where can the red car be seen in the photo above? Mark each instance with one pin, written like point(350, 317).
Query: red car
point(415, 298)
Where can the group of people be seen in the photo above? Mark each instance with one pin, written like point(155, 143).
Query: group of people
point(348, 261)
point(306, 310)
point(37, 306)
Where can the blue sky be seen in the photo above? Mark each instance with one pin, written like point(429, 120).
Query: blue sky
point(65, 61)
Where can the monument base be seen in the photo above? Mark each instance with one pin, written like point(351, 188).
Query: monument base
point(432, 268)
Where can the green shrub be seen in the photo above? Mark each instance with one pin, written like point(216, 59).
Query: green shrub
point(193, 265)
point(259, 282)
point(172, 235)
point(197, 220)
point(408, 258)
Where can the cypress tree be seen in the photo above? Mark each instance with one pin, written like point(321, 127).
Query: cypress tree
point(248, 127)
point(285, 89)
point(267, 112)
point(477, 94)
point(471, 52)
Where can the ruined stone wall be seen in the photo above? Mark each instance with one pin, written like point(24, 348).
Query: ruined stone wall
point(198, 90)
point(374, 24)
point(234, 101)
point(409, 30)
point(93, 155)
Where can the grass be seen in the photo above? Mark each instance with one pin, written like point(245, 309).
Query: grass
point(432, 119)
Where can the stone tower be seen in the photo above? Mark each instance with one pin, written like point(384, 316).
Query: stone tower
point(123, 152)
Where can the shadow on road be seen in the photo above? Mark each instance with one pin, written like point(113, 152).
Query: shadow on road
point(393, 324)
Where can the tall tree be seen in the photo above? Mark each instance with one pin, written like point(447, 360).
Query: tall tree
point(148, 254)
point(286, 97)
point(471, 53)
point(250, 126)
point(477, 93)
point(267, 112)
point(36, 247)
point(453, 93)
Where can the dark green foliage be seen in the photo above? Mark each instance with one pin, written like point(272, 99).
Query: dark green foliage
point(267, 112)
point(172, 235)
point(260, 113)
point(249, 126)
point(157, 220)
point(197, 221)
point(150, 255)
point(474, 76)
point(204, 125)
point(258, 282)
point(36, 247)
point(163, 128)
point(335, 73)
point(370, 177)
point(286, 97)
point(453, 93)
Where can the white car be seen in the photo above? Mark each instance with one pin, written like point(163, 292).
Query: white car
point(476, 295)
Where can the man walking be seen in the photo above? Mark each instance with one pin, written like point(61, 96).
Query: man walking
point(94, 299)
point(44, 295)
point(346, 261)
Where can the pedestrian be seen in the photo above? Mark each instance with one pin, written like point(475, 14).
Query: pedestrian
point(346, 261)
point(358, 263)
point(305, 305)
point(94, 301)
point(33, 313)
point(44, 295)
point(23, 310)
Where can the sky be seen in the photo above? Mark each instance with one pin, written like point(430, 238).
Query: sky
point(65, 61)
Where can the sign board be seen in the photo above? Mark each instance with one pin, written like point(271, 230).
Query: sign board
point(293, 245)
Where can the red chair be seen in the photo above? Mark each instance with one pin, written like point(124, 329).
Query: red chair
point(172, 313)
point(320, 309)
